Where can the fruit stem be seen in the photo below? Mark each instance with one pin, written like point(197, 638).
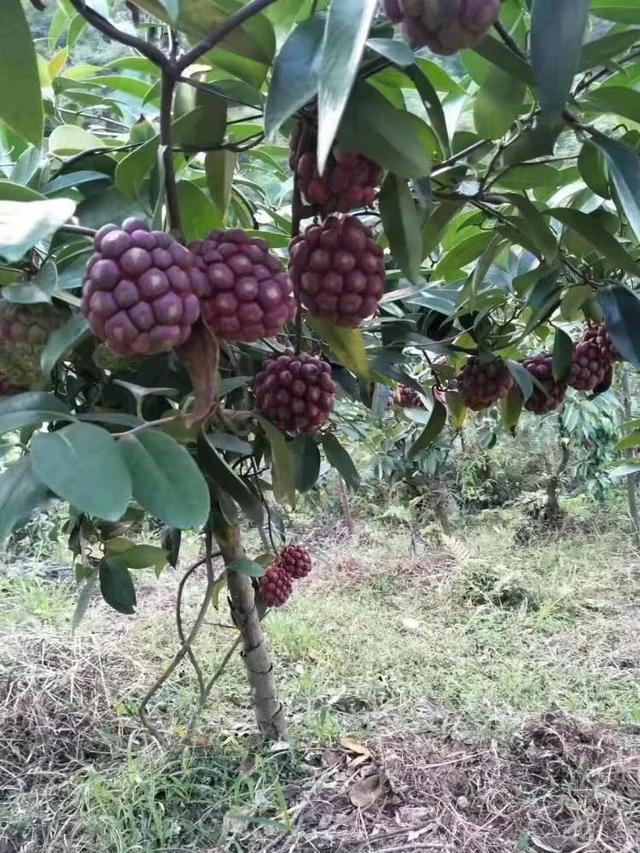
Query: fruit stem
point(171, 190)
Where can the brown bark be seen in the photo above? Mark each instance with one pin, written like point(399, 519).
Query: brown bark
point(266, 705)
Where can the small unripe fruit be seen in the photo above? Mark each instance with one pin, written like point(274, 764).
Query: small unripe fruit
point(444, 26)
point(338, 270)
point(142, 290)
point(248, 293)
point(591, 361)
point(484, 383)
point(408, 397)
point(24, 332)
point(275, 586)
point(552, 397)
point(296, 392)
point(296, 561)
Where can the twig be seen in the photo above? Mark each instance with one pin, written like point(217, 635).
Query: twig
point(509, 41)
point(79, 229)
point(179, 625)
point(171, 191)
point(212, 681)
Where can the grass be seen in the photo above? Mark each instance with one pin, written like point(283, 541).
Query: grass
point(469, 639)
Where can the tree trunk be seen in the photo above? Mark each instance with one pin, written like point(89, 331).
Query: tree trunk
point(266, 705)
point(631, 479)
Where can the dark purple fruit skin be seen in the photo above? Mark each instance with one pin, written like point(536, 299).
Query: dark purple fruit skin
point(349, 181)
point(541, 403)
point(275, 586)
point(603, 340)
point(296, 561)
point(338, 271)
point(408, 397)
point(248, 293)
point(483, 384)
point(142, 290)
point(591, 360)
point(296, 392)
point(444, 26)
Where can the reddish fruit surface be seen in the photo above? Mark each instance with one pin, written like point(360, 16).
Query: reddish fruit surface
point(338, 270)
point(606, 382)
point(444, 26)
point(541, 402)
point(248, 294)
point(603, 340)
point(296, 392)
point(24, 332)
point(349, 180)
point(275, 586)
point(296, 561)
point(142, 290)
point(591, 361)
point(408, 397)
point(483, 384)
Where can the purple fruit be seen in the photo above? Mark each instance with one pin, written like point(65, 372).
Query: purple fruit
point(444, 26)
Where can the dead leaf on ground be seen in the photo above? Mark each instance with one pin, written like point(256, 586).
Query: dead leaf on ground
point(331, 757)
point(365, 792)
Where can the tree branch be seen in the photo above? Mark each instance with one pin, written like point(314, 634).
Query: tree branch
point(107, 28)
point(166, 117)
point(221, 32)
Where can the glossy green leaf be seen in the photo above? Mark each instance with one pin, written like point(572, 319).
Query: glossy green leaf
point(134, 169)
point(166, 481)
point(346, 344)
point(511, 408)
point(537, 227)
point(226, 478)
point(401, 225)
point(557, 34)
point(598, 51)
point(306, 461)
point(573, 300)
point(437, 224)
point(205, 126)
point(624, 171)
point(219, 167)
point(498, 54)
point(397, 52)
point(117, 586)
point(598, 237)
point(284, 478)
point(562, 355)
point(25, 223)
point(340, 459)
point(629, 441)
point(246, 567)
point(62, 340)
point(136, 556)
point(621, 309)
point(69, 139)
point(497, 104)
point(82, 464)
point(620, 11)
point(432, 430)
point(616, 100)
point(522, 377)
point(38, 288)
point(31, 408)
point(295, 74)
point(432, 104)
point(591, 164)
point(21, 493)
point(345, 35)
point(464, 252)
point(199, 215)
point(20, 98)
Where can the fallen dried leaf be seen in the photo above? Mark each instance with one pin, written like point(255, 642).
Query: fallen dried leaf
point(331, 757)
point(365, 792)
point(354, 746)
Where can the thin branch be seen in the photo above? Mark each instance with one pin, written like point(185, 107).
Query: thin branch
point(79, 229)
point(510, 42)
point(221, 32)
point(171, 190)
point(180, 626)
point(212, 681)
point(107, 28)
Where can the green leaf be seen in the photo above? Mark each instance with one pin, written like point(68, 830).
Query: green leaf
point(246, 567)
point(464, 252)
point(136, 556)
point(20, 98)
point(25, 223)
point(226, 479)
point(598, 237)
point(391, 137)
point(573, 300)
point(537, 228)
point(511, 408)
point(284, 479)
point(624, 172)
point(591, 165)
point(497, 104)
point(562, 355)
point(500, 55)
point(21, 492)
point(69, 139)
point(231, 443)
point(614, 99)
point(628, 442)
point(133, 169)
point(306, 461)
point(62, 340)
point(522, 377)
point(557, 34)
point(295, 74)
point(346, 344)
point(620, 11)
point(432, 104)
point(166, 481)
point(117, 587)
point(397, 52)
point(199, 216)
point(16, 192)
point(345, 35)
point(83, 465)
point(436, 225)
point(39, 288)
point(205, 126)
point(401, 225)
point(31, 409)
point(84, 600)
point(219, 167)
point(625, 469)
point(432, 430)
point(340, 459)
point(598, 51)
point(621, 309)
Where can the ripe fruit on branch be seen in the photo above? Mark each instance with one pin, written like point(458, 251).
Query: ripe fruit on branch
point(591, 360)
point(24, 332)
point(275, 586)
point(408, 397)
point(541, 402)
point(338, 270)
point(248, 294)
point(603, 340)
point(444, 26)
point(296, 392)
point(296, 561)
point(142, 289)
point(349, 180)
point(484, 383)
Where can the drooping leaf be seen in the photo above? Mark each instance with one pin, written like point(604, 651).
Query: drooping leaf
point(226, 478)
point(132, 170)
point(135, 556)
point(497, 104)
point(199, 216)
point(21, 493)
point(598, 51)
point(498, 54)
point(171, 539)
point(165, 479)
point(616, 100)
point(246, 567)
point(599, 238)
point(620, 11)
point(306, 460)
point(401, 225)
point(340, 459)
point(82, 464)
point(537, 227)
point(31, 408)
point(25, 223)
point(346, 344)
point(562, 355)
point(522, 377)
point(432, 430)
point(624, 172)
point(591, 163)
point(61, 340)
point(219, 167)
point(295, 74)
point(117, 586)
point(511, 408)
point(20, 97)
point(436, 225)
point(432, 104)
point(284, 479)
point(345, 35)
point(621, 309)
